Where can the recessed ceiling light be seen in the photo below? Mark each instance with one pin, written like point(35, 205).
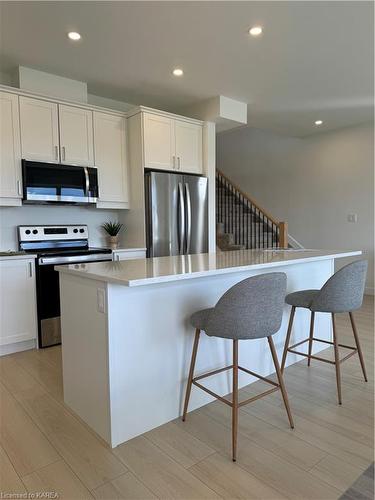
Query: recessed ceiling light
point(256, 30)
point(318, 122)
point(73, 35)
point(178, 72)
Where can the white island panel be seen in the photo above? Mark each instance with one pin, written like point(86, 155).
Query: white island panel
point(136, 343)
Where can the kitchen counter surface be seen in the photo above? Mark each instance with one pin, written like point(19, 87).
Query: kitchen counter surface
point(129, 249)
point(167, 269)
point(11, 255)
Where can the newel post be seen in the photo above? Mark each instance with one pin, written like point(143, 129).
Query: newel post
point(283, 234)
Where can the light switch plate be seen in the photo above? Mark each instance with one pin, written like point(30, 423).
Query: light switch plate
point(100, 293)
point(352, 218)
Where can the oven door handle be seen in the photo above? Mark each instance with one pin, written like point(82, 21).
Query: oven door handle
point(48, 261)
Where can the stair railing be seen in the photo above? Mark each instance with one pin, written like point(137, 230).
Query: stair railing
point(250, 224)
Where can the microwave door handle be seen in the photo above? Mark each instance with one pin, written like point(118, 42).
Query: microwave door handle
point(188, 218)
point(87, 182)
point(181, 218)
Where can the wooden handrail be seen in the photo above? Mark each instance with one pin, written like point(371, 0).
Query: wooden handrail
point(247, 197)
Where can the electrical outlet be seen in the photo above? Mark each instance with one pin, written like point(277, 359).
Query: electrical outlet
point(100, 293)
point(352, 218)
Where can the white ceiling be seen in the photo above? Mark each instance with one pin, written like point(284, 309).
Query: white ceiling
point(314, 60)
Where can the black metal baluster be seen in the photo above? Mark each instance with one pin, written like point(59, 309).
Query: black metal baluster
point(243, 221)
point(226, 210)
point(248, 226)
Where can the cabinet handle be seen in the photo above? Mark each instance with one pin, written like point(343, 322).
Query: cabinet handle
point(19, 189)
point(117, 257)
point(179, 162)
point(174, 161)
point(30, 269)
point(63, 153)
point(56, 153)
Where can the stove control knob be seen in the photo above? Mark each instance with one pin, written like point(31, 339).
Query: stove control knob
point(35, 231)
point(28, 231)
point(81, 230)
point(75, 230)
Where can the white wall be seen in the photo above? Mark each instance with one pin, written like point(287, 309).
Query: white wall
point(312, 183)
point(11, 217)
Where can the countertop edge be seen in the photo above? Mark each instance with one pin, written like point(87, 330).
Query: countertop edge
point(18, 257)
point(202, 274)
point(128, 249)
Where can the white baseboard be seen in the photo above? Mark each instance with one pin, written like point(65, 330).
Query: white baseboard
point(369, 290)
point(17, 347)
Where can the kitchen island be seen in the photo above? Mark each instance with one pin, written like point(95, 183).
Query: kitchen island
point(126, 337)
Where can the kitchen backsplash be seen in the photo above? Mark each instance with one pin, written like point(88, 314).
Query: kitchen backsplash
point(11, 217)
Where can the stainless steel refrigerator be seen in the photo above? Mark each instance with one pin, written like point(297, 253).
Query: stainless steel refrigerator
point(176, 214)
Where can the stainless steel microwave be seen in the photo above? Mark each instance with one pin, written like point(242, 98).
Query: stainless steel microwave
point(57, 183)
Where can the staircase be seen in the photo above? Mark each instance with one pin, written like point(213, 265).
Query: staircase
point(241, 223)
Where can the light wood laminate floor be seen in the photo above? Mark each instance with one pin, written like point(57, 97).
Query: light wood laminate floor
point(44, 447)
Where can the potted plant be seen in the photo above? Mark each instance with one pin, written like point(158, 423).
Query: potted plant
point(112, 228)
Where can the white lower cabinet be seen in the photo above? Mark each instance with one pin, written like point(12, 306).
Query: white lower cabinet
point(129, 254)
point(18, 319)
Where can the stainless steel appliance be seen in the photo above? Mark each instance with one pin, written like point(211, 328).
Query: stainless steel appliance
point(55, 245)
point(56, 183)
point(176, 214)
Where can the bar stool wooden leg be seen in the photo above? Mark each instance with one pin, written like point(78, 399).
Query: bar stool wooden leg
point(311, 337)
point(191, 372)
point(235, 401)
point(337, 360)
point(281, 381)
point(287, 340)
point(356, 338)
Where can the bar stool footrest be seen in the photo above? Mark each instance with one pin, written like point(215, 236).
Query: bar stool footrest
point(318, 358)
point(226, 401)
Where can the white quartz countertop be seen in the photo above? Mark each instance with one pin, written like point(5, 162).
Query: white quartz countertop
point(11, 255)
point(168, 269)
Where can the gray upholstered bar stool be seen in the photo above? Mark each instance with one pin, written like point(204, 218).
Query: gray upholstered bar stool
point(343, 292)
point(251, 309)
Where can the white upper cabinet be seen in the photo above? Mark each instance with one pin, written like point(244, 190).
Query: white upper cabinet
point(159, 142)
point(111, 160)
point(39, 130)
point(172, 144)
point(10, 151)
point(188, 146)
point(76, 136)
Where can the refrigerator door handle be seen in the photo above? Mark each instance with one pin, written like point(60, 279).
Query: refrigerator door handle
point(188, 218)
point(181, 219)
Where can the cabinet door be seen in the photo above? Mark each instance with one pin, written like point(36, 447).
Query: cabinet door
point(10, 147)
point(39, 130)
point(111, 159)
point(17, 301)
point(159, 144)
point(76, 136)
point(188, 146)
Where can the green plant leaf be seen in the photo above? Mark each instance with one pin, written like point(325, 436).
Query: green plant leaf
point(112, 227)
